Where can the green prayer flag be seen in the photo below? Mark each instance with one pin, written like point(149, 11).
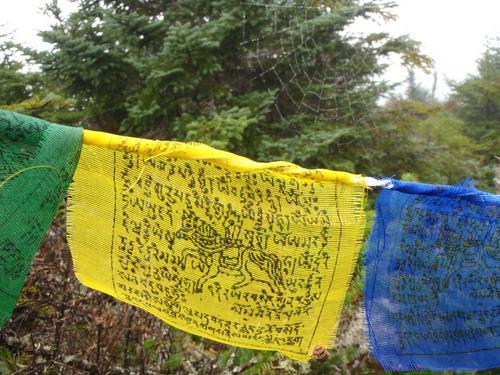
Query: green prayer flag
point(37, 162)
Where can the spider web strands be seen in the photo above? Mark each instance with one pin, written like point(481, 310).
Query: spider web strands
point(285, 52)
point(284, 6)
point(275, 21)
point(282, 58)
point(267, 36)
point(341, 84)
point(310, 86)
point(325, 82)
point(295, 74)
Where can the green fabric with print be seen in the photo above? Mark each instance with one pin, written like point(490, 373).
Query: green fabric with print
point(37, 162)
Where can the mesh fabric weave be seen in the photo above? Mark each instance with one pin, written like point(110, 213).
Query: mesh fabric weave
point(257, 255)
point(432, 286)
point(37, 161)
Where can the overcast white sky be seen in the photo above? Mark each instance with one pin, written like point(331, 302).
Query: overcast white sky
point(452, 32)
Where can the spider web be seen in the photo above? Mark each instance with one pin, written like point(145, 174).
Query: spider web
point(283, 52)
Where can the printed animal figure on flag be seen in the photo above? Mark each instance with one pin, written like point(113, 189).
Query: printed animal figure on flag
point(216, 254)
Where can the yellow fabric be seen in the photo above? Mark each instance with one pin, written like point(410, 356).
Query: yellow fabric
point(257, 255)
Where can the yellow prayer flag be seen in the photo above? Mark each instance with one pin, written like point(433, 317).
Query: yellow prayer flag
point(251, 254)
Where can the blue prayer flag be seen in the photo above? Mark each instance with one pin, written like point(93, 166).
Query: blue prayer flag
point(432, 281)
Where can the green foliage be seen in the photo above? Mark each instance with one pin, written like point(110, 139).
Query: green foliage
point(178, 70)
point(173, 362)
point(15, 84)
point(247, 361)
point(423, 142)
point(476, 101)
point(336, 362)
point(136, 66)
point(8, 362)
point(30, 92)
point(408, 176)
point(310, 143)
point(355, 289)
point(223, 130)
point(149, 348)
point(52, 107)
point(415, 91)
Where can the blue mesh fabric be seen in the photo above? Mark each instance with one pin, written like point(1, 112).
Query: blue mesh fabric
point(432, 281)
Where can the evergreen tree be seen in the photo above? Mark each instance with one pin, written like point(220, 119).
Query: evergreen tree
point(179, 70)
point(425, 143)
point(477, 102)
point(415, 91)
point(29, 92)
point(16, 85)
